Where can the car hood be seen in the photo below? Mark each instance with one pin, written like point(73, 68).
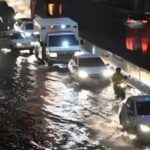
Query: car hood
point(23, 41)
point(94, 70)
point(143, 120)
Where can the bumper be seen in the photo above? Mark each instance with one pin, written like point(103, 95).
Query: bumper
point(143, 136)
point(96, 81)
point(23, 47)
point(61, 58)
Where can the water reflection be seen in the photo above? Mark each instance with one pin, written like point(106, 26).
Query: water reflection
point(41, 108)
point(137, 39)
point(18, 84)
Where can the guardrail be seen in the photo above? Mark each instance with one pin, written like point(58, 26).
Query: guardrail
point(140, 76)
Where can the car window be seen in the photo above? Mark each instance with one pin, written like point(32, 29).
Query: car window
point(143, 107)
point(62, 40)
point(29, 26)
point(91, 62)
point(17, 35)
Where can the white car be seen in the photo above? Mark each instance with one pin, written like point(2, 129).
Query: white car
point(88, 68)
point(16, 41)
point(135, 116)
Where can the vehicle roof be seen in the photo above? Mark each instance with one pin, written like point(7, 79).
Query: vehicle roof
point(139, 98)
point(48, 21)
point(88, 55)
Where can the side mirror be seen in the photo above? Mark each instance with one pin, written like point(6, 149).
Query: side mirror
point(82, 42)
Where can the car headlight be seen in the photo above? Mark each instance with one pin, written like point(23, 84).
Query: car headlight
point(53, 54)
point(28, 34)
point(144, 128)
point(107, 73)
point(34, 43)
point(82, 74)
point(19, 44)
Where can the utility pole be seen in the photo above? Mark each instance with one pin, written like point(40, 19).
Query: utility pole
point(32, 8)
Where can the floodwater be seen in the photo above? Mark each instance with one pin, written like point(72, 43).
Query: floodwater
point(41, 108)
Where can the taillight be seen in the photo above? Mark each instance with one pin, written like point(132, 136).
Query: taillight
point(144, 21)
point(130, 21)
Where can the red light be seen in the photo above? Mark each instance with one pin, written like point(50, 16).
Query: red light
point(144, 45)
point(130, 43)
point(130, 21)
point(144, 21)
point(51, 26)
point(60, 9)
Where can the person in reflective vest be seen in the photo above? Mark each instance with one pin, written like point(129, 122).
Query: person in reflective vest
point(117, 78)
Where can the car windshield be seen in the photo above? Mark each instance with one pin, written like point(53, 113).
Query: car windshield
point(62, 40)
point(143, 108)
point(29, 26)
point(17, 35)
point(90, 62)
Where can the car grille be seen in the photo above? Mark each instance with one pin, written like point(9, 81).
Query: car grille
point(64, 56)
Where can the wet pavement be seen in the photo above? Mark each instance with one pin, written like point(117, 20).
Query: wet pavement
point(41, 108)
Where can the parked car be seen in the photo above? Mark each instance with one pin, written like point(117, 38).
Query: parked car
point(16, 41)
point(135, 116)
point(87, 68)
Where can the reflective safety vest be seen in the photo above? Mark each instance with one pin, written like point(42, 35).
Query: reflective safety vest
point(117, 78)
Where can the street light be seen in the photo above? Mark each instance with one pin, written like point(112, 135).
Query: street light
point(53, 8)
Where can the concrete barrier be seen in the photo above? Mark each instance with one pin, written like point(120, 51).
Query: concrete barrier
point(140, 76)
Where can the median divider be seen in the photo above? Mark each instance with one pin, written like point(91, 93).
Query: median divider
point(140, 77)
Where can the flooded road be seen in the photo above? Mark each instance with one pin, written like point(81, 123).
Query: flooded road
point(41, 108)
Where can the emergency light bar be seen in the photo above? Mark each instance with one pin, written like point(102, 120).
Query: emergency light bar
point(63, 26)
